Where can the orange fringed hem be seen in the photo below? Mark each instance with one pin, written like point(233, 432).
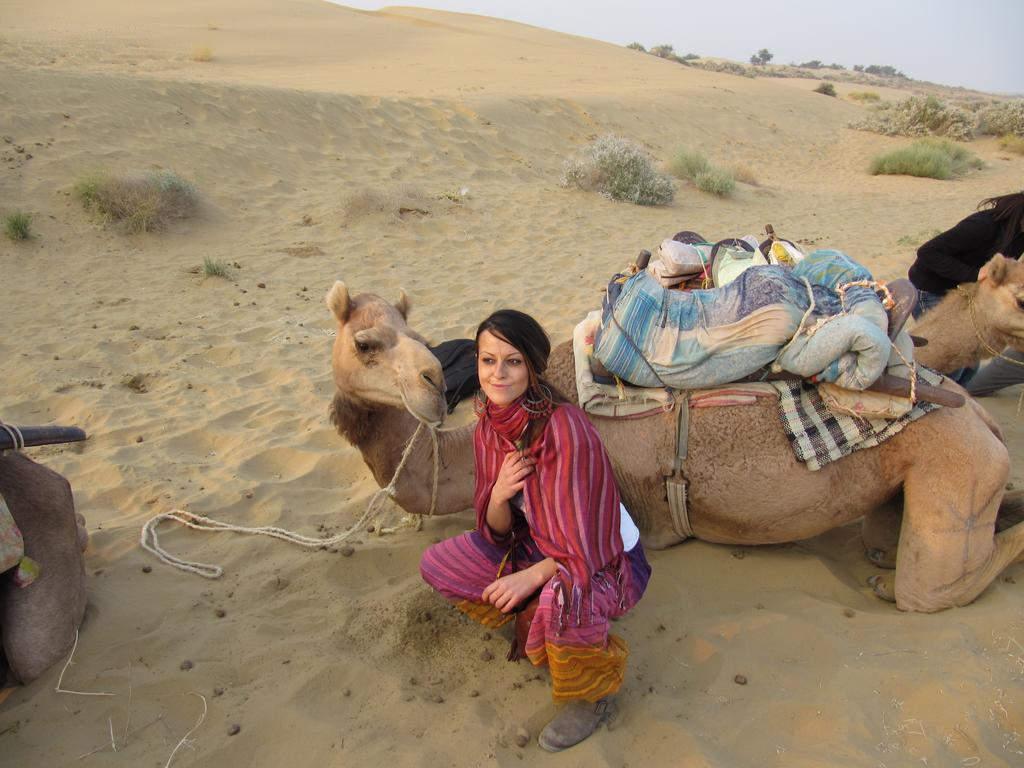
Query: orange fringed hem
point(586, 672)
point(485, 613)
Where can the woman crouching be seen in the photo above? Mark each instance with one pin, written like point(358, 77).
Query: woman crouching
point(551, 533)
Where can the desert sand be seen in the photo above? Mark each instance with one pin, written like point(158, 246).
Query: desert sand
point(211, 394)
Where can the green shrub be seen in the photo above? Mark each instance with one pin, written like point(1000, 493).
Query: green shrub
point(1004, 118)
point(18, 226)
point(214, 267)
point(619, 170)
point(864, 96)
point(826, 88)
point(715, 181)
point(142, 202)
point(637, 47)
point(930, 158)
point(687, 163)
point(1012, 143)
point(693, 165)
point(920, 116)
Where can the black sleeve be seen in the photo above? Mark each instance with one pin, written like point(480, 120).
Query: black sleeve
point(1015, 248)
point(955, 253)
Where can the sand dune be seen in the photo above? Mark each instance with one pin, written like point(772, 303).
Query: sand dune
point(211, 394)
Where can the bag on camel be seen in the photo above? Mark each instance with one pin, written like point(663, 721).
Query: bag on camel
point(458, 361)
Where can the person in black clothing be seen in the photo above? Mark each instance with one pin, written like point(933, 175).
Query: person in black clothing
point(956, 255)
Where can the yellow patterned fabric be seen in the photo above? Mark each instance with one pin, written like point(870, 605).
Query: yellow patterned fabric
point(583, 672)
point(485, 613)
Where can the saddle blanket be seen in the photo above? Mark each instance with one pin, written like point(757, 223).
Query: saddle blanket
point(820, 436)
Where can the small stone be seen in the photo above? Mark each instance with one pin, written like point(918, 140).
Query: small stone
point(486, 655)
point(234, 729)
point(133, 327)
point(739, 554)
point(249, 494)
point(426, 616)
point(347, 692)
point(437, 698)
point(147, 569)
point(218, 691)
point(485, 636)
point(849, 613)
point(740, 679)
point(347, 551)
point(261, 285)
point(1009, 486)
point(139, 439)
point(220, 613)
point(522, 736)
point(1009, 580)
point(474, 693)
point(186, 665)
point(759, 606)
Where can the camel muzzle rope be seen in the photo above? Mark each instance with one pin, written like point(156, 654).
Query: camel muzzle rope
point(150, 541)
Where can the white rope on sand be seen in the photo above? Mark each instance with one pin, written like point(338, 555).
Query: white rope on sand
point(67, 664)
point(150, 542)
point(184, 739)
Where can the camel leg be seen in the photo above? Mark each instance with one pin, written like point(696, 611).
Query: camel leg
point(880, 532)
point(948, 549)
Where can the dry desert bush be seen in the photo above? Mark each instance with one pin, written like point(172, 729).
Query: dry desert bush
point(1012, 143)
point(920, 116)
point(1004, 118)
point(139, 202)
point(618, 169)
point(864, 96)
point(826, 88)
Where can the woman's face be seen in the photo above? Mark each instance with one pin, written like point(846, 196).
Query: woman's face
point(501, 369)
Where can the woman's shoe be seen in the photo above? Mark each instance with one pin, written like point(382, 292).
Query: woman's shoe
point(577, 720)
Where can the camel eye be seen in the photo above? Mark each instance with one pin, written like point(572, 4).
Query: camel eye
point(1020, 302)
point(362, 346)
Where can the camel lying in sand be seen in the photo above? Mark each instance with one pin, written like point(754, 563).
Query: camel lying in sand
point(944, 473)
point(38, 622)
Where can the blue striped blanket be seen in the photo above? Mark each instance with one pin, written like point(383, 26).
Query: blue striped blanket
point(651, 336)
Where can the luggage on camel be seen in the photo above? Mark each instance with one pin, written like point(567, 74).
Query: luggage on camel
point(819, 319)
point(458, 362)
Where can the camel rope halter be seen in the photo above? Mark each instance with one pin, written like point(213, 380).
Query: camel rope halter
point(150, 542)
point(977, 331)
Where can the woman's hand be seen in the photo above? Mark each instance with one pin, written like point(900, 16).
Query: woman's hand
point(512, 476)
point(509, 591)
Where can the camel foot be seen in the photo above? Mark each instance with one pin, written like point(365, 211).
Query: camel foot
point(1011, 510)
point(882, 588)
point(882, 558)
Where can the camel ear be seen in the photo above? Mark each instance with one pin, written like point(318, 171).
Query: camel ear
point(996, 270)
point(338, 301)
point(403, 305)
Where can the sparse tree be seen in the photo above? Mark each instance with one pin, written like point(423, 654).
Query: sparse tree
point(663, 51)
point(761, 57)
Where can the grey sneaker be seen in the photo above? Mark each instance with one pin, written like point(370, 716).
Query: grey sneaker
point(577, 720)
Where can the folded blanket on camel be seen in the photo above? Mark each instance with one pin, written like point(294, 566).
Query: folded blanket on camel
point(818, 434)
point(808, 320)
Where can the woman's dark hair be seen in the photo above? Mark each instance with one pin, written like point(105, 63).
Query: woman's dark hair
point(1008, 211)
point(526, 335)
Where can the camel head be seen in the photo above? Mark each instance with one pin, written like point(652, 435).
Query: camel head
point(378, 360)
point(1000, 298)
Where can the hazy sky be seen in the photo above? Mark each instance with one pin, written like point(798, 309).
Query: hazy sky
point(973, 43)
